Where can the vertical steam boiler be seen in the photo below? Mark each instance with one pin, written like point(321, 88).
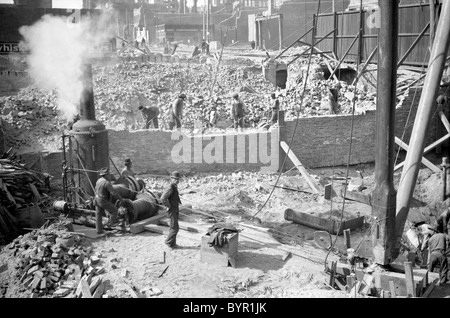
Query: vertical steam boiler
point(90, 147)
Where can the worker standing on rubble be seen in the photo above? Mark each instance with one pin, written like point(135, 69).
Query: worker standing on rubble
point(171, 199)
point(437, 244)
point(203, 45)
point(104, 194)
point(443, 222)
point(176, 114)
point(275, 107)
point(127, 170)
point(150, 115)
point(237, 112)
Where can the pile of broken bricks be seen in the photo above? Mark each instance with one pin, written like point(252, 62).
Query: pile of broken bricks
point(51, 263)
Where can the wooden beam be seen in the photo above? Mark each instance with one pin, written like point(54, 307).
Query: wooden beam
point(316, 188)
point(333, 274)
point(345, 54)
point(409, 278)
point(392, 289)
point(347, 238)
point(138, 227)
point(429, 289)
point(182, 225)
point(403, 58)
point(356, 196)
point(156, 229)
point(425, 161)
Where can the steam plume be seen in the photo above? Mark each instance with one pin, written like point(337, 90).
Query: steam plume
point(57, 50)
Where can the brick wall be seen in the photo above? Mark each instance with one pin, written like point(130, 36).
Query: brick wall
point(162, 152)
point(324, 141)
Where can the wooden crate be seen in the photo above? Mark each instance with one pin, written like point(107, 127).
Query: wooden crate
point(224, 255)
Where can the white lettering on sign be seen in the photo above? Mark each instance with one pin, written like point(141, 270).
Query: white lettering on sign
point(6, 48)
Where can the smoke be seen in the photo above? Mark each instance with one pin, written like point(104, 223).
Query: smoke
point(58, 48)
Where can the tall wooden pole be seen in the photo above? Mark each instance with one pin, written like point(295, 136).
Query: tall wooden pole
point(424, 112)
point(384, 196)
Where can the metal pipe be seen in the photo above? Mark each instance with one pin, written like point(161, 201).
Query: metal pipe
point(383, 207)
point(423, 115)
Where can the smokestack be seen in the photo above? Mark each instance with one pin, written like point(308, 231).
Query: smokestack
point(87, 108)
point(91, 149)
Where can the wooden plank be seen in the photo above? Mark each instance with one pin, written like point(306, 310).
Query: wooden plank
point(356, 196)
point(347, 238)
point(425, 161)
point(333, 274)
point(182, 225)
point(99, 291)
point(410, 288)
point(286, 255)
point(312, 183)
point(138, 227)
point(156, 229)
point(85, 289)
point(429, 289)
point(366, 284)
point(94, 283)
point(35, 192)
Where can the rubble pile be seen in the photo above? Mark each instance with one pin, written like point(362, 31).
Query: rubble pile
point(116, 88)
point(29, 117)
point(317, 96)
point(53, 263)
point(32, 116)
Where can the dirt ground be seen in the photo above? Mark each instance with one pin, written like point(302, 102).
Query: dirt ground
point(141, 261)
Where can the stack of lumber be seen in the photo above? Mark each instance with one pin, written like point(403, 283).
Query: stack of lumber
point(19, 188)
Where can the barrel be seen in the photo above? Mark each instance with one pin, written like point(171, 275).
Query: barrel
point(142, 208)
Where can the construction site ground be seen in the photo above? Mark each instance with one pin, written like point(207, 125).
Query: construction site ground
point(276, 258)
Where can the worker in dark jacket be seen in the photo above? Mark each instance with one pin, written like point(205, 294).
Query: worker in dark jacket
point(104, 196)
point(437, 244)
point(275, 107)
point(171, 199)
point(150, 115)
point(237, 112)
point(177, 112)
point(127, 171)
point(443, 222)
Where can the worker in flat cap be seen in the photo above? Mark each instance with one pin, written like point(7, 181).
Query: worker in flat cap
point(176, 113)
point(127, 171)
point(171, 199)
point(105, 199)
point(238, 112)
point(150, 115)
point(437, 244)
